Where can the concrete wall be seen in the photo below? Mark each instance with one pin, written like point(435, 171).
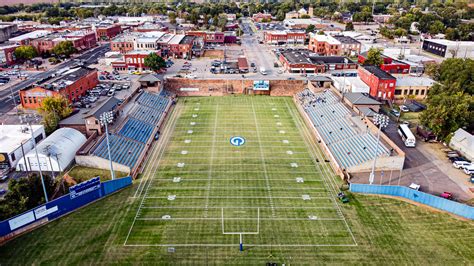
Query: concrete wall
point(101, 163)
point(221, 87)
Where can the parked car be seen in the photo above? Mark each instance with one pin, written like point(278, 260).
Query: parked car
point(191, 76)
point(447, 195)
point(459, 158)
point(4, 174)
point(461, 164)
point(469, 170)
point(395, 112)
point(414, 186)
point(403, 108)
point(92, 99)
point(2, 191)
point(111, 93)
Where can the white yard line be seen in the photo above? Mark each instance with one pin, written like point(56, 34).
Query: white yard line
point(167, 134)
point(327, 176)
point(236, 219)
point(247, 245)
point(208, 191)
point(262, 157)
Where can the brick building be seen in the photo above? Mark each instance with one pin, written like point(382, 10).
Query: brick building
point(261, 16)
point(208, 37)
point(133, 61)
point(381, 84)
point(389, 65)
point(71, 84)
point(333, 45)
point(81, 40)
point(106, 32)
point(284, 37)
point(303, 61)
point(7, 56)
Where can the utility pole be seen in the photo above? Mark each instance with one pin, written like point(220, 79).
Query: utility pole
point(105, 119)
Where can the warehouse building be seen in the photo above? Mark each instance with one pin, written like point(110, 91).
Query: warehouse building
point(55, 153)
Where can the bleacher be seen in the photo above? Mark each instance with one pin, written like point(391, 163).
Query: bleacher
point(136, 130)
point(349, 144)
point(128, 143)
point(122, 150)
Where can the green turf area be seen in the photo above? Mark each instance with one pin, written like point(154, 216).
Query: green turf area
point(251, 189)
point(82, 173)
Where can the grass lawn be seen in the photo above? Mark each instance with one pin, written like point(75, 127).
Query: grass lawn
point(200, 187)
point(82, 173)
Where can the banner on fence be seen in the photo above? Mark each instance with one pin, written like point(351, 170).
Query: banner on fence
point(84, 187)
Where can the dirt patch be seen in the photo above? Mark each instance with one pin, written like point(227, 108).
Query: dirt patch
point(217, 54)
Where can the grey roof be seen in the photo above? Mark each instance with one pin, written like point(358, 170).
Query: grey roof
point(108, 105)
point(367, 111)
point(149, 78)
point(359, 98)
point(379, 73)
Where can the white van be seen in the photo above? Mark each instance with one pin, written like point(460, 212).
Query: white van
point(461, 164)
point(469, 170)
point(263, 71)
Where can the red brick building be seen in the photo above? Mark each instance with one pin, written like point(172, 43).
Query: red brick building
point(81, 40)
point(107, 32)
point(303, 61)
point(72, 84)
point(261, 16)
point(381, 84)
point(122, 44)
point(284, 37)
point(208, 37)
point(7, 56)
point(389, 65)
point(133, 61)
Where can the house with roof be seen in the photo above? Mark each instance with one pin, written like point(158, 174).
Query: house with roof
point(463, 142)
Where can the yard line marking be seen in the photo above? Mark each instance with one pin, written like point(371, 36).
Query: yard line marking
point(237, 197)
point(238, 219)
point(234, 207)
point(247, 245)
point(263, 161)
point(228, 187)
point(304, 133)
point(167, 136)
point(208, 192)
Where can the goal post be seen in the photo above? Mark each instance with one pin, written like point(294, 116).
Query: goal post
point(240, 233)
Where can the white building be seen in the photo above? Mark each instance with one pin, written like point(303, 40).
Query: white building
point(350, 84)
point(55, 153)
point(15, 141)
point(448, 49)
point(463, 142)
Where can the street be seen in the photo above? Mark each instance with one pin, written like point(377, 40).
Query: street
point(89, 57)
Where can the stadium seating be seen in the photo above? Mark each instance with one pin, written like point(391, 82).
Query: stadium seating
point(136, 130)
point(350, 145)
point(122, 150)
point(129, 142)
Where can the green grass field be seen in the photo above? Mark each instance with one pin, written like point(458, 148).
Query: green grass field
point(199, 194)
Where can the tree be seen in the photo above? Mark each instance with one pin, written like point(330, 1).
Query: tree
point(221, 21)
point(436, 27)
point(452, 34)
point(374, 57)
point(310, 28)
point(155, 62)
point(65, 48)
point(53, 109)
point(349, 26)
point(25, 52)
point(447, 112)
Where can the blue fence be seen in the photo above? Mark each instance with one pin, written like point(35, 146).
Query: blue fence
point(59, 207)
point(417, 196)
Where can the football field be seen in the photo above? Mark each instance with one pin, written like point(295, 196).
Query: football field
point(238, 170)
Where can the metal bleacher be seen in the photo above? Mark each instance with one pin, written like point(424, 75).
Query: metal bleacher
point(350, 145)
point(122, 150)
point(136, 130)
point(128, 143)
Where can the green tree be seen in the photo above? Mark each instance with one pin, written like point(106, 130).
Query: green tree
point(452, 34)
point(310, 28)
point(222, 21)
point(447, 112)
point(155, 62)
point(53, 109)
point(24, 194)
point(436, 27)
point(25, 52)
point(65, 48)
point(374, 57)
point(349, 26)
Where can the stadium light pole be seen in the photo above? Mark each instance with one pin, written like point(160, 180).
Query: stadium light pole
point(38, 161)
point(381, 121)
point(105, 119)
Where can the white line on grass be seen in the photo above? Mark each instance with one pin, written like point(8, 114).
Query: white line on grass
point(247, 245)
point(262, 157)
point(304, 133)
point(208, 191)
point(236, 219)
point(167, 135)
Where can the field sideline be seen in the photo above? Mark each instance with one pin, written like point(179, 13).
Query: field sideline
point(199, 195)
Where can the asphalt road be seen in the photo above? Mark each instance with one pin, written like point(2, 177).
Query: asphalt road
point(89, 57)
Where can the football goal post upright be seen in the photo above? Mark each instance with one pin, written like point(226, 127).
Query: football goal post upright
point(241, 237)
